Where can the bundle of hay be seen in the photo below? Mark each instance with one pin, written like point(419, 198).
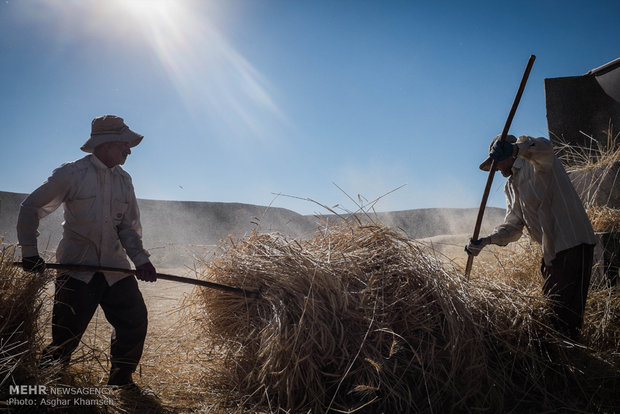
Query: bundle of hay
point(594, 170)
point(21, 303)
point(599, 154)
point(25, 313)
point(604, 219)
point(360, 318)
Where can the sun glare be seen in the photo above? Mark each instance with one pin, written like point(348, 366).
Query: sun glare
point(212, 77)
point(149, 9)
point(158, 15)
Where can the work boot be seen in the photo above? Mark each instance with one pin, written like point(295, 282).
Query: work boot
point(120, 377)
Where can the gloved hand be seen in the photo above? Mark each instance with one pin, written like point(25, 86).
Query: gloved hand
point(33, 264)
point(146, 272)
point(474, 248)
point(501, 151)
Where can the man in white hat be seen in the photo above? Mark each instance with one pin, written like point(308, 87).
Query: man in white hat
point(541, 197)
point(101, 228)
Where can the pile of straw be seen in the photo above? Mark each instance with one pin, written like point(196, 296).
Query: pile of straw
point(595, 170)
point(599, 154)
point(25, 313)
point(604, 219)
point(359, 318)
point(518, 266)
point(21, 302)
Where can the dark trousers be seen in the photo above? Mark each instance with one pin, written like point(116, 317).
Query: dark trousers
point(75, 303)
point(566, 283)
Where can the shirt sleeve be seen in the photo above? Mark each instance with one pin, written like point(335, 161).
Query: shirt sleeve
point(130, 231)
point(512, 227)
point(43, 201)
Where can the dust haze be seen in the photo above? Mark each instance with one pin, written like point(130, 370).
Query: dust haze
point(179, 234)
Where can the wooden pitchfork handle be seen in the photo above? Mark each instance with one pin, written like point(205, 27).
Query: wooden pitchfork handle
point(87, 268)
point(487, 189)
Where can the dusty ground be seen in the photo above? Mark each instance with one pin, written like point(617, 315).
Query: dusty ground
point(448, 246)
point(451, 247)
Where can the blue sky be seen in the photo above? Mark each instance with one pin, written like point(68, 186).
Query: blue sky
point(239, 100)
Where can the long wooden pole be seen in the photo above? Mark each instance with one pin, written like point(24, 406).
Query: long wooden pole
point(487, 188)
point(163, 276)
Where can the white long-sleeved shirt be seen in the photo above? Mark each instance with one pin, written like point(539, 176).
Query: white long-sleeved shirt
point(541, 197)
point(101, 219)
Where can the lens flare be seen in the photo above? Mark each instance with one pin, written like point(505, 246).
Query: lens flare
point(213, 79)
point(223, 92)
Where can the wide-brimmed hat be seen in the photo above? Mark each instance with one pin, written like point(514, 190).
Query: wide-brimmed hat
point(110, 128)
point(486, 164)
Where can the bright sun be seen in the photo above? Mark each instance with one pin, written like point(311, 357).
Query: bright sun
point(210, 76)
point(148, 8)
point(154, 14)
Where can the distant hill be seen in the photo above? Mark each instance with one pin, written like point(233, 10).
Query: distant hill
point(173, 231)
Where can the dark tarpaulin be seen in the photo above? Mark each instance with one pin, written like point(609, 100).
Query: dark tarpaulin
point(586, 104)
point(590, 104)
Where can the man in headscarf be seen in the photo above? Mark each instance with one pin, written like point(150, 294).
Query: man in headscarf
point(541, 197)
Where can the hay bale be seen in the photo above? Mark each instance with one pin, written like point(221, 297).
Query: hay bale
point(360, 317)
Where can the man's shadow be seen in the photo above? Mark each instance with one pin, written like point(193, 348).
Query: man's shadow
point(141, 401)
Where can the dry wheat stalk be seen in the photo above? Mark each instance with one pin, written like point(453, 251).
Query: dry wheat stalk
point(361, 317)
point(604, 219)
